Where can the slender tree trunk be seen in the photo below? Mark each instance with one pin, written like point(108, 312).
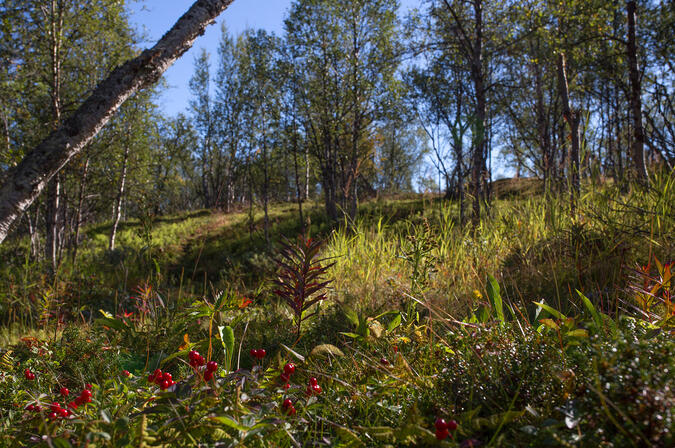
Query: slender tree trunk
point(27, 180)
point(478, 78)
point(33, 232)
point(298, 190)
point(458, 142)
point(53, 205)
point(80, 205)
point(542, 128)
point(266, 186)
point(117, 210)
point(572, 117)
point(639, 169)
point(5, 129)
point(306, 196)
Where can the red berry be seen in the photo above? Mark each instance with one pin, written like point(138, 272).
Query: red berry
point(254, 353)
point(64, 391)
point(52, 416)
point(38, 408)
point(86, 395)
point(287, 386)
point(287, 403)
point(193, 355)
point(63, 412)
point(442, 434)
point(384, 362)
point(208, 375)
point(30, 407)
point(451, 425)
point(126, 373)
point(289, 369)
point(261, 353)
point(313, 381)
point(212, 366)
point(29, 375)
point(441, 424)
point(317, 389)
point(202, 361)
point(164, 385)
point(151, 378)
point(88, 386)
point(73, 404)
point(167, 377)
point(290, 410)
point(54, 407)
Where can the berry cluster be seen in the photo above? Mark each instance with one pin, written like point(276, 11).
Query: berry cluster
point(163, 379)
point(57, 411)
point(211, 368)
point(289, 369)
point(443, 428)
point(313, 387)
point(288, 407)
point(82, 399)
point(30, 376)
point(258, 353)
point(196, 360)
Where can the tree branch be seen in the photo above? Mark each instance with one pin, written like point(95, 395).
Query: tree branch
point(26, 181)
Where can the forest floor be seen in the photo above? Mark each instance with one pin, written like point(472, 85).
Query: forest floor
point(536, 328)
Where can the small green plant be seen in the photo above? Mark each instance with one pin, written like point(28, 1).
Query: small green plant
point(300, 280)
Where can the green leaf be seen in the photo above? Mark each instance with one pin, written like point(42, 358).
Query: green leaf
point(351, 335)
point(591, 309)
point(552, 311)
point(550, 324)
point(578, 333)
point(172, 356)
point(395, 322)
point(227, 338)
point(227, 421)
point(495, 298)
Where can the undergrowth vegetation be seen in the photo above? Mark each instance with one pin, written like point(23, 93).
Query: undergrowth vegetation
point(536, 328)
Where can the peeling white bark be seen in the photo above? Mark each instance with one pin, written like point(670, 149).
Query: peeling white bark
point(28, 179)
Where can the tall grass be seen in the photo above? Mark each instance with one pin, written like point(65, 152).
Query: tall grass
point(535, 247)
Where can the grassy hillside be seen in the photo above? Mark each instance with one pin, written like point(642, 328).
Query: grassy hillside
point(537, 328)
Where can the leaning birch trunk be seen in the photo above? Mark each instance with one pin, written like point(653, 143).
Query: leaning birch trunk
point(28, 179)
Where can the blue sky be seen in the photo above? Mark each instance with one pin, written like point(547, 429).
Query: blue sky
point(157, 16)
